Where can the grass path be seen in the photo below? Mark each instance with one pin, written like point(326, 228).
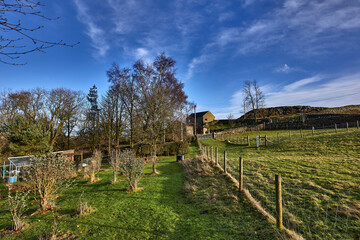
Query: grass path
point(161, 210)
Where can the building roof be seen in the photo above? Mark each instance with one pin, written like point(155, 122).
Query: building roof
point(21, 161)
point(199, 114)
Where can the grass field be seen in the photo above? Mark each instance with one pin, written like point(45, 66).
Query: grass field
point(163, 209)
point(321, 178)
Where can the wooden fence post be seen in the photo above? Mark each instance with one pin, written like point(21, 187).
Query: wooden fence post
point(225, 162)
point(312, 130)
point(278, 139)
point(217, 156)
point(212, 153)
point(335, 127)
point(207, 152)
point(241, 174)
point(279, 218)
point(81, 160)
point(357, 124)
point(301, 133)
point(347, 126)
point(266, 140)
point(248, 141)
point(259, 141)
point(290, 135)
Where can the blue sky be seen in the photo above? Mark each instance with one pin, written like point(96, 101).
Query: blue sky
point(303, 52)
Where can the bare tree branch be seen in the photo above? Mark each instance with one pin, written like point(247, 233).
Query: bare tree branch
point(15, 36)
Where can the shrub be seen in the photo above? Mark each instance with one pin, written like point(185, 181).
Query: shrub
point(115, 163)
point(133, 168)
point(17, 206)
point(95, 165)
point(83, 208)
point(49, 174)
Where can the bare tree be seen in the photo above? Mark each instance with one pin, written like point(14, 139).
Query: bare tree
point(133, 168)
point(124, 86)
point(29, 103)
point(160, 96)
point(95, 165)
point(49, 174)
point(112, 117)
point(73, 111)
point(19, 37)
point(115, 163)
point(253, 96)
point(231, 120)
point(60, 104)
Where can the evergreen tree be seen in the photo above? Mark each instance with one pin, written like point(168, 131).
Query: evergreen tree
point(93, 116)
point(26, 138)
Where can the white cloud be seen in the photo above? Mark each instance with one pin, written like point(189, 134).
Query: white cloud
point(96, 34)
point(284, 69)
point(247, 3)
point(328, 92)
point(141, 52)
point(194, 65)
point(335, 91)
point(300, 26)
point(301, 83)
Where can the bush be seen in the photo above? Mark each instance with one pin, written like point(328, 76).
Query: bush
point(49, 174)
point(94, 166)
point(133, 168)
point(17, 206)
point(115, 163)
point(83, 207)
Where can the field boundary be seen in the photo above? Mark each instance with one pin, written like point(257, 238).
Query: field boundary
point(289, 233)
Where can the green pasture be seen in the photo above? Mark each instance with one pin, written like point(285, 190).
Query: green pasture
point(320, 172)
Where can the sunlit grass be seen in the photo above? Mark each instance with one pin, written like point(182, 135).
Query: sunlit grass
point(320, 174)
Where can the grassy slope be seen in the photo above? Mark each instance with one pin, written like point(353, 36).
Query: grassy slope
point(320, 176)
point(159, 211)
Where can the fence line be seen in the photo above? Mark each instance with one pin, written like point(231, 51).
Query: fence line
point(318, 215)
point(288, 135)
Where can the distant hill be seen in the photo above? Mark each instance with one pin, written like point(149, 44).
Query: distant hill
point(292, 111)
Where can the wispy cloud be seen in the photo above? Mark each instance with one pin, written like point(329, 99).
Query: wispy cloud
point(319, 90)
point(194, 65)
point(301, 83)
point(331, 92)
point(298, 25)
point(96, 33)
point(284, 69)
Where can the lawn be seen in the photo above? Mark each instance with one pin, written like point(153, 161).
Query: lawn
point(161, 209)
point(320, 174)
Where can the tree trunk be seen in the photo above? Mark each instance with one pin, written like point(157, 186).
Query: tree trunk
point(44, 204)
point(115, 179)
point(68, 135)
point(154, 159)
point(92, 177)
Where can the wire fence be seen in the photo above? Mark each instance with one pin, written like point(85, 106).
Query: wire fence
point(281, 136)
point(307, 209)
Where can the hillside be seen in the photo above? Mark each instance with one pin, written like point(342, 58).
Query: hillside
point(292, 111)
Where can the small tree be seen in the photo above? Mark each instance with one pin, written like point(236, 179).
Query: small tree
point(49, 174)
point(133, 168)
point(115, 163)
point(231, 120)
point(17, 206)
point(253, 97)
point(95, 165)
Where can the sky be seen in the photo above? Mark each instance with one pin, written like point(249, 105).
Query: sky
point(301, 52)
